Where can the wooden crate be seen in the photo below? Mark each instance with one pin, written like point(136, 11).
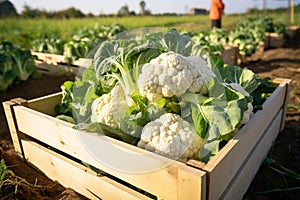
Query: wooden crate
point(292, 31)
point(230, 55)
point(226, 176)
point(53, 64)
point(274, 40)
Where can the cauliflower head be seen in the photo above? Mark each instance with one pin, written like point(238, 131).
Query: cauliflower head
point(202, 74)
point(171, 136)
point(171, 74)
point(109, 108)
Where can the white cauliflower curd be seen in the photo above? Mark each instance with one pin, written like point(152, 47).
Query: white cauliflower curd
point(109, 108)
point(172, 74)
point(171, 136)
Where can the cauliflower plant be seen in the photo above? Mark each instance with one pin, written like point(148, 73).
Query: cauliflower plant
point(171, 136)
point(172, 74)
point(109, 108)
point(249, 112)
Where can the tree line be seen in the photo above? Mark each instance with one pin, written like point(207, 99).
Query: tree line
point(72, 12)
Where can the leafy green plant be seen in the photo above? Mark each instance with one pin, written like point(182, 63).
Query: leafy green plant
point(7, 73)
point(209, 43)
point(250, 32)
point(16, 64)
point(8, 178)
point(49, 44)
point(4, 172)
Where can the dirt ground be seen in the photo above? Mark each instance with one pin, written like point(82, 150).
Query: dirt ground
point(269, 183)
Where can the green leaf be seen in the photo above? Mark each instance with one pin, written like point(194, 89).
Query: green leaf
point(176, 42)
point(100, 128)
point(199, 121)
point(243, 76)
point(66, 118)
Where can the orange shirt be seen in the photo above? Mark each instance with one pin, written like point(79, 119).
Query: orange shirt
point(216, 8)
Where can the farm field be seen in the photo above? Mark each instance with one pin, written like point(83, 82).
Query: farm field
point(277, 178)
point(23, 31)
point(281, 62)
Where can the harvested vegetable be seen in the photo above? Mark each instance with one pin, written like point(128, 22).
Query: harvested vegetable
point(155, 92)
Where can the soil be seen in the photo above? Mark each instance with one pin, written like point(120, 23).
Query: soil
point(268, 184)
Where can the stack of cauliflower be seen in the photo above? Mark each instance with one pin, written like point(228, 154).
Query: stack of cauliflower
point(168, 75)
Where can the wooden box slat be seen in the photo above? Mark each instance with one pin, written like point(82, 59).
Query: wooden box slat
point(59, 59)
point(62, 136)
point(274, 40)
point(73, 175)
point(242, 179)
point(54, 64)
point(230, 55)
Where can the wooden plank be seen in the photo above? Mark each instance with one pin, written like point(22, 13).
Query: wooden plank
point(8, 110)
point(191, 184)
point(83, 62)
point(56, 59)
point(230, 55)
point(292, 31)
point(20, 101)
point(275, 40)
point(45, 104)
point(73, 175)
point(223, 166)
point(50, 58)
point(57, 69)
point(288, 83)
point(242, 180)
point(54, 64)
point(62, 136)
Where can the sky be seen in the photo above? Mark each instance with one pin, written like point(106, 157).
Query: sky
point(155, 6)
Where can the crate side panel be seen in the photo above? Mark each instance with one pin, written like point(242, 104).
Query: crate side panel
point(222, 167)
point(240, 184)
point(50, 58)
point(191, 184)
point(288, 83)
point(57, 69)
point(54, 59)
point(62, 136)
point(72, 175)
point(230, 55)
point(45, 104)
point(8, 110)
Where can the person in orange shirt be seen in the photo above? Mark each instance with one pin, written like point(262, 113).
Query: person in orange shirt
point(215, 13)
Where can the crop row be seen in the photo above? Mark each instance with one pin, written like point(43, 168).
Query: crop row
point(247, 36)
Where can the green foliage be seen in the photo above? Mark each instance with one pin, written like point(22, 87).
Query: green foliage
point(77, 98)
point(264, 89)
point(4, 172)
point(121, 59)
point(250, 32)
point(216, 117)
point(71, 12)
point(7, 73)
point(235, 74)
point(209, 43)
point(23, 31)
point(49, 44)
point(80, 45)
point(16, 64)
